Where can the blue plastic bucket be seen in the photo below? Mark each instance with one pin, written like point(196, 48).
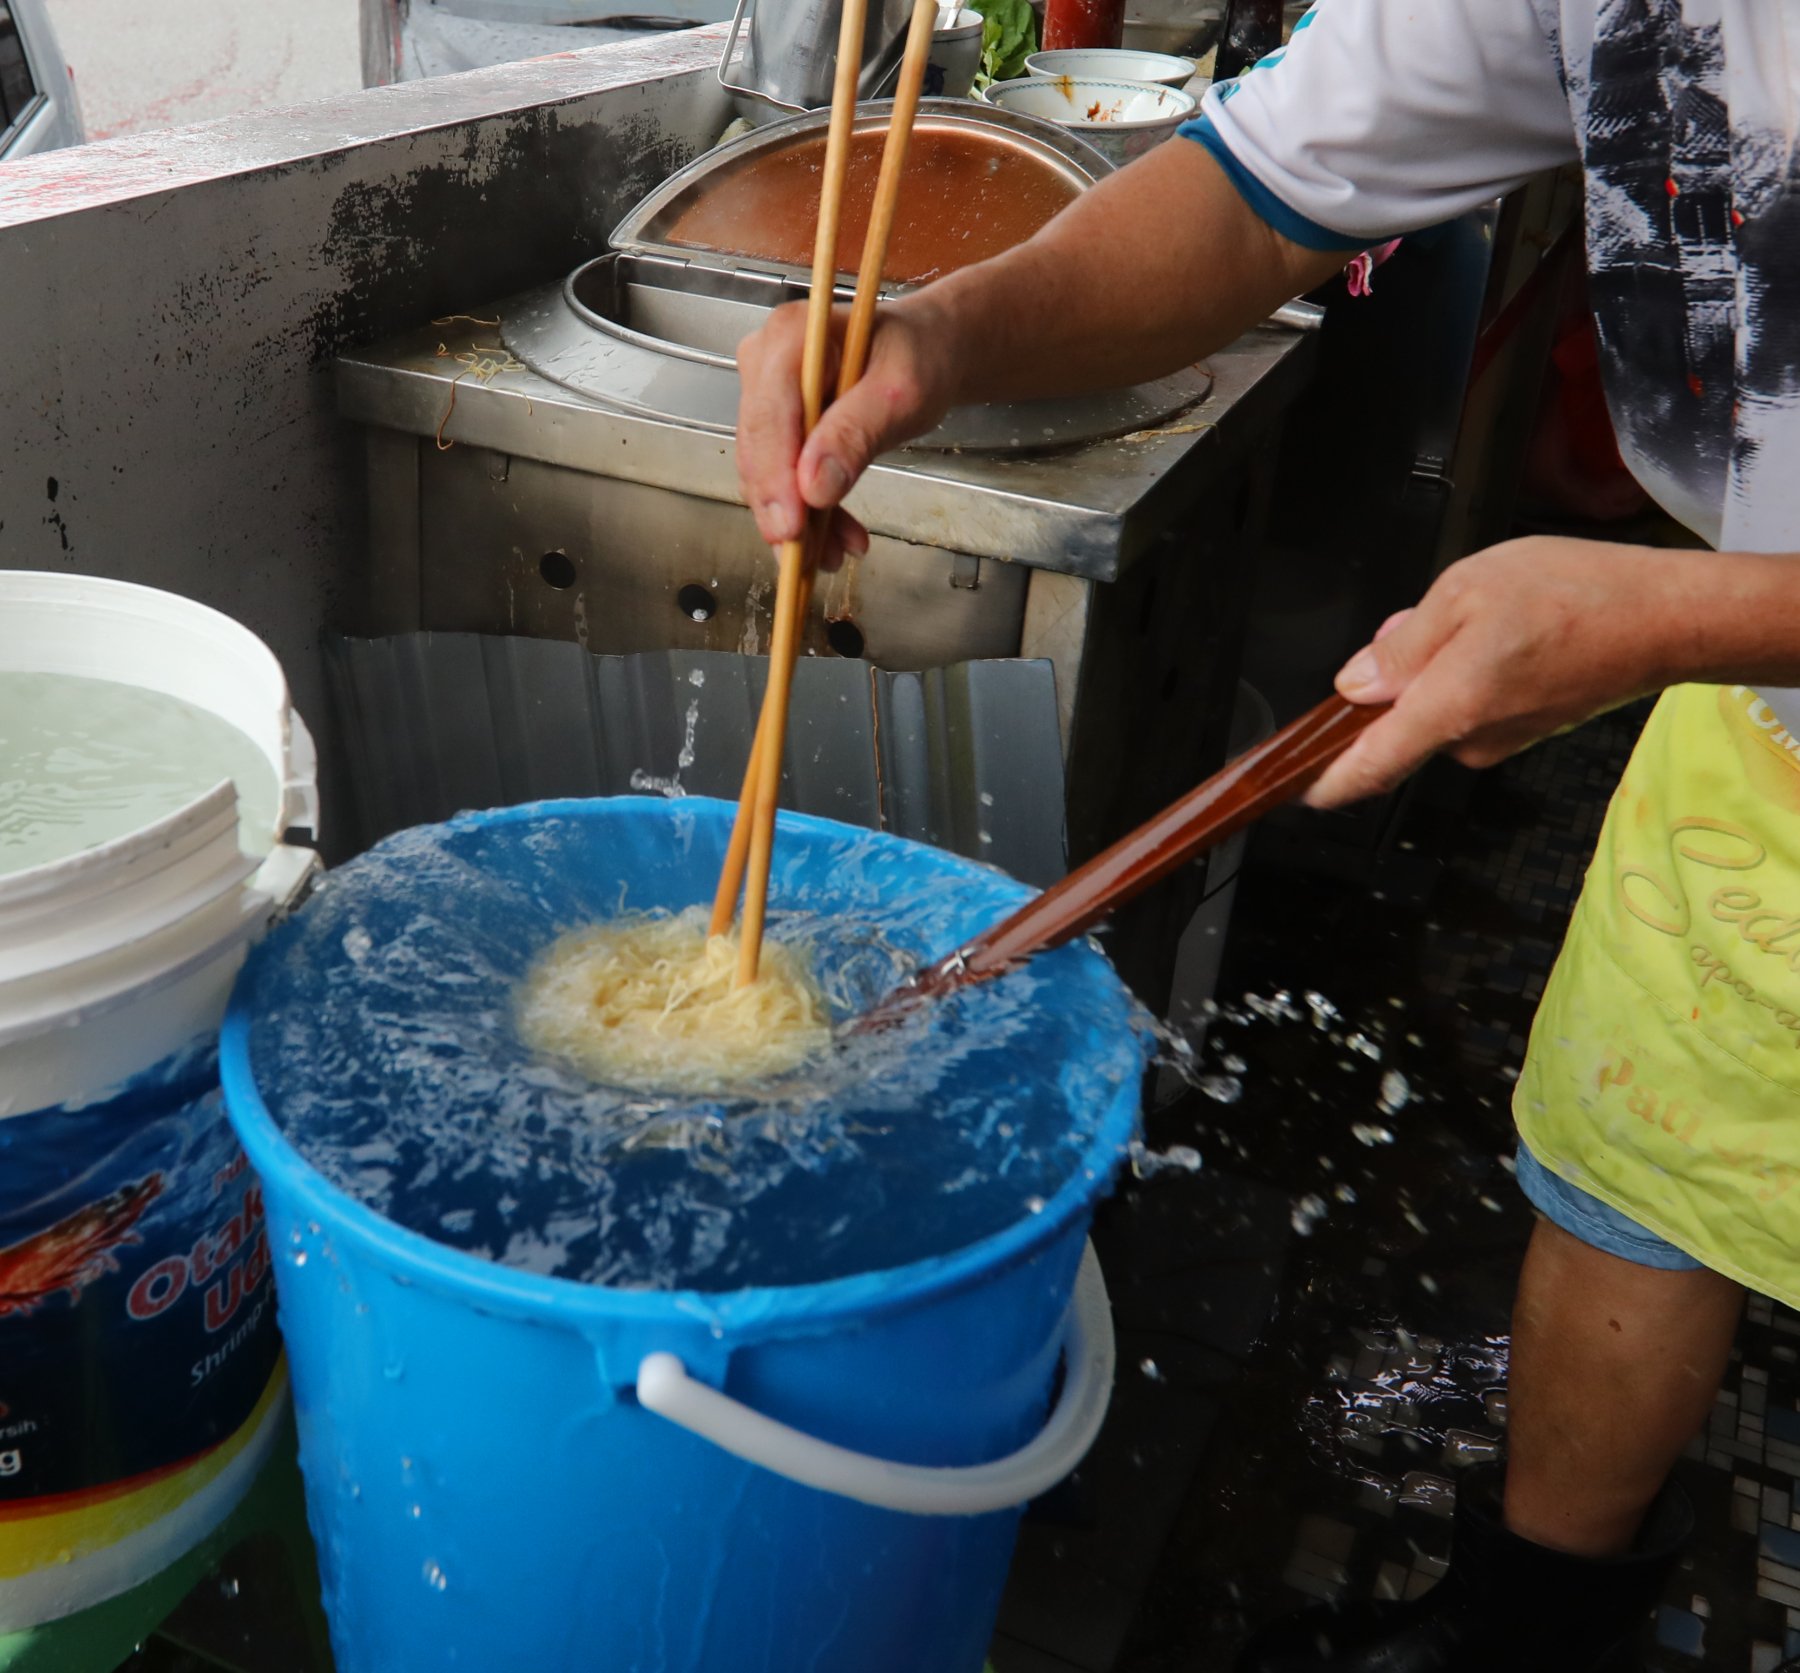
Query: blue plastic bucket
point(488, 1483)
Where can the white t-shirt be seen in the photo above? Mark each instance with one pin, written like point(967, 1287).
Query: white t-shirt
point(1382, 117)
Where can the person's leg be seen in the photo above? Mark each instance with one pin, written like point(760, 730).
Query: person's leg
point(1614, 1368)
point(1619, 1343)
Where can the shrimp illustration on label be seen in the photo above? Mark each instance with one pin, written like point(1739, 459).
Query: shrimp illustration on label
point(75, 1251)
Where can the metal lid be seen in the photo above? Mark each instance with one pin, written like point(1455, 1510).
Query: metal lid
point(978, 181)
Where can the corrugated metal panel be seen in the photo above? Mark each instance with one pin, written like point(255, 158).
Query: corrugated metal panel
point(967, 757)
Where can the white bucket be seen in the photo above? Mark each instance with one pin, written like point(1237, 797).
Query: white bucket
point(140, 1378)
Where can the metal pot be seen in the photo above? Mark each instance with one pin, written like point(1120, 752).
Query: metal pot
point(791, 57)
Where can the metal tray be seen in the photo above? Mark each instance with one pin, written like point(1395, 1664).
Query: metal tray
point(977, 178)
point(658, 336)
point(653, 326)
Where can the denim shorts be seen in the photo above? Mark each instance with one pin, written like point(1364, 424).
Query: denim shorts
point(1594, 1222)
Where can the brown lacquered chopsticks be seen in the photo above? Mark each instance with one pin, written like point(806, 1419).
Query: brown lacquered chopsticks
point(1241, 792)
point(753, 833)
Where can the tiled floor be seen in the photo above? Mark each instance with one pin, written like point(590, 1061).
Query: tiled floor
point(1333, 1290)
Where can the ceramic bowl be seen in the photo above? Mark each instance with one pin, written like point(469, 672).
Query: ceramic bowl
point(1120, 119)
point(1112, 64)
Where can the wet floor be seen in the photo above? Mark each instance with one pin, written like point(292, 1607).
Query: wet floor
point(1314, 1335)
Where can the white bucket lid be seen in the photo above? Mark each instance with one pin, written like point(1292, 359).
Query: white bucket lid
point(90, 931)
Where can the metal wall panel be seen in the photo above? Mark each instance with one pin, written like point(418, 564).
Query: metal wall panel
point(967, 757)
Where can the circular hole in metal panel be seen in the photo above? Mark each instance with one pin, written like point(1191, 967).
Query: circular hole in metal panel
point(558, 570)
point(697, 602)
point(844, 637)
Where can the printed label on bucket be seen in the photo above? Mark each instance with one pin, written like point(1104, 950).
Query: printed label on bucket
point(137, 1322)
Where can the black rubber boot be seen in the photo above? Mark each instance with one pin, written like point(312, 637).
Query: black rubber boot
point(1503, 1606)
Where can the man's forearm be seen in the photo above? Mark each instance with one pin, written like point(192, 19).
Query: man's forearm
point(1153, 268)
point(1732, 618)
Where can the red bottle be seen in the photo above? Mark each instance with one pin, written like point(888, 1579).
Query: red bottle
point(1083, 23)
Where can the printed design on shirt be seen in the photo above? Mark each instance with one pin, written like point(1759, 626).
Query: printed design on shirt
point(1693, 209)
point(1651, 118)
point(1743, 937)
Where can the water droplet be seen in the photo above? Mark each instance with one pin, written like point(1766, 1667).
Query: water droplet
point(1396, 1091)
point(1307, 1213)
point(1151, 1369)
point(300, 1257)
point(228, 1587)
point(1462, 1448)
point(1034, 1205)
point(1366, 1132)
point(415, 1511)
point(435, 1578)
point(1428, 1492)
point(1364, 1046)
point(1222, 1089)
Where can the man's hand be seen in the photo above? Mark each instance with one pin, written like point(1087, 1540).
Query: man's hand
point(1049, 317)
point(1520, 641)
point(907, 387)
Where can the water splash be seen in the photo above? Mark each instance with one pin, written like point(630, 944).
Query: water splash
point(400, 1077)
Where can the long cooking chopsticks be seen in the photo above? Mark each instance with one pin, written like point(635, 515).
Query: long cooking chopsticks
point(753, 832)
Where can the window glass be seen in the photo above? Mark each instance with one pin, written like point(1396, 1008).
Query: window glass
point(16, 89)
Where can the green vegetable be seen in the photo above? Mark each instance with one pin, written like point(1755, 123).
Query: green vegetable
point(1009, 35)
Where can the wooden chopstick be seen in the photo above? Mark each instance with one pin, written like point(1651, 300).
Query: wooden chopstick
point(773, 721)
point(762, 778)
point(887, 193)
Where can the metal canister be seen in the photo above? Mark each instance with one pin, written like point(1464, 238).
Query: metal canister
point(791, 57)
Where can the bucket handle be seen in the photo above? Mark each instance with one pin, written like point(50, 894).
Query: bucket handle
point(1089, 1356)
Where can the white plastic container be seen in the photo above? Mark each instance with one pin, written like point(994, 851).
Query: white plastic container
point(140, 1373)
point(955, 53)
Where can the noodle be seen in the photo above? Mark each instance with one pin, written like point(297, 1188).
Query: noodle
point(648, 1003)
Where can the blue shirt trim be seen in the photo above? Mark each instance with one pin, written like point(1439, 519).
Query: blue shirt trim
point(1289, 222)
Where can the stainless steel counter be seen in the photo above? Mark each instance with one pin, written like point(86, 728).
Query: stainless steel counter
point(1088, 511)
